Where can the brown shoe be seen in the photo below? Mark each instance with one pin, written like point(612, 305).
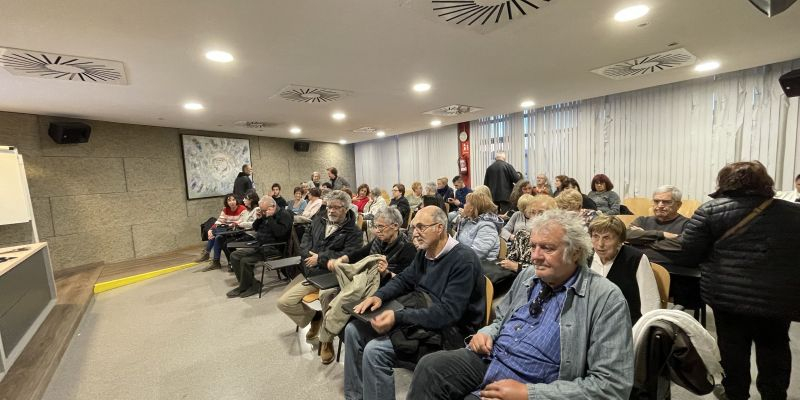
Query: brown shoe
point(204, 256)
point(313, 331)
point(326, 352)
point(213, 265)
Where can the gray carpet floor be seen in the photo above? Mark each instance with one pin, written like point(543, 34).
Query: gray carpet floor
point(179, 337)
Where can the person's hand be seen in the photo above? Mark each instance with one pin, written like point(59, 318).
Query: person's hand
point(509, 265)
point(506, 389)
point(481, 343)
point(382, 265)
point(312, 259)
point(332, 264)
point(669, 235)
point(512, 237)
point(210, 234)
point(383, 322)
point(456, 202)
point(635, 228)
point(369, 304)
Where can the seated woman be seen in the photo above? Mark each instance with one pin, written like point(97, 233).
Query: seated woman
point(299, 203)
point(521, 187)
point(227, 219)
point(352, 207)
point(571, 183)
point(559, 184)
point(431, 198)
point(542, 185)
point(443, 189)
point(479, 227)
point(529, 206)
point(245, 223)
point(606, 199)
point(397, 252)
point(624, 265)
point(313, 205)
point(415, 197)
point(571, 200)
point(399, 201)
point(362, 197)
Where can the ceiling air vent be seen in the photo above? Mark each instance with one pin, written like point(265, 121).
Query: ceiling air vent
point(366, 130)
point(37, 64)
point(310, 94)
point(455, 109)
point(484, 12)
point(647, 65)
point(255, 124)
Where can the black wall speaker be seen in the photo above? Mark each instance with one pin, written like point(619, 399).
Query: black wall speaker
point(790, 83)
point(69, 132)
point(301, 146)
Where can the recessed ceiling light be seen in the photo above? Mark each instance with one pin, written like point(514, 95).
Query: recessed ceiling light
point(342, 141)
point(631, 13)
point(338, 116)
point(436, 122)
point(422, 87)
point(527, 104)
point(193, 106)
point(295, 130)
point(707, 66)
point(380, 133)
point(219, 56)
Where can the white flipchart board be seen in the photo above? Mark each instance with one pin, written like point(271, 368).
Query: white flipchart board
point(15, 205)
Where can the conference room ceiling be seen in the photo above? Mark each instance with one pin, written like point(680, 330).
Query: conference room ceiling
point(298, 61)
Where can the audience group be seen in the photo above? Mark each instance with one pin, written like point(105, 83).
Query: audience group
point(415, 262)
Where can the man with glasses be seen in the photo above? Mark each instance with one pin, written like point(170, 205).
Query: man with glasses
point(659, 236)
point(446, 277)
point(397, 252)
point(562, 332)
point(327, 238)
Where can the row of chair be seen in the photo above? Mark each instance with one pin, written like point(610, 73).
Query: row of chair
point(644, 206)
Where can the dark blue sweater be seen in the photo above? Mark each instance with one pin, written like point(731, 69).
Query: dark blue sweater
point(455, 284)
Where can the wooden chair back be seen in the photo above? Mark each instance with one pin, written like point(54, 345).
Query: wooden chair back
point(627, 219)
point(688, 207)
point(639, 205)
point(503, 250)
point(662, 281)
point(489, 299)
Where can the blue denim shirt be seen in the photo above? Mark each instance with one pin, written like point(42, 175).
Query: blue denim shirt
point(595, 332)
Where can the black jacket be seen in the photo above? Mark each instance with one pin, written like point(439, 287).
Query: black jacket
point(500, 178)
point(755, 271)
point(273, 229)
point(241, 185)
point(345, 240)
point(404, 208)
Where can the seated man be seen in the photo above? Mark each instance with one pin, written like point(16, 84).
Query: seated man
point(444, 274)
point(397, 253)
point(659, 238)
point(562, 332)
point(791, 195)
point(327, 238)
point(272, 225)
point(459, 197)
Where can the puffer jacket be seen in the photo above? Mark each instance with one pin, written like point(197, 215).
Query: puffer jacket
point(482, 235)
point(755, 271)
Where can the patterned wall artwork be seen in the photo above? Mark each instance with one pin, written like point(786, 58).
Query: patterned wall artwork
point(212, 163)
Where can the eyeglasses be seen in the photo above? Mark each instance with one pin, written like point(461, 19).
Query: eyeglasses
point(395, 190)
point(664, 202)
point(544, 294)
point(421, 228)
point(335, 208)
point(380, 228)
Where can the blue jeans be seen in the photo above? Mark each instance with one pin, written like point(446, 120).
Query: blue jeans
point(215, 244)
point(368, 363)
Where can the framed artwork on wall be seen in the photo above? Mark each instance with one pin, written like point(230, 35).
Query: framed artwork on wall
point(211, 164)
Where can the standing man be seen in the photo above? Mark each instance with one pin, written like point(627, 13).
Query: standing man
point(500, 178)
point(243, 182)
point(337, 183)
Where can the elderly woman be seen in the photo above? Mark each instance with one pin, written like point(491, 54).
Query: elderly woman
point(571, 183)
point(376, 202)
point(529, 206)
point(542, 185)
point(431, 198)
point(746, 243)
point(625, 266)
point(298, 204)
point(362, 197)
point(479, 227)
point(571, 200)
point(519, 252)
point(606, 199)
point(415, 197)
